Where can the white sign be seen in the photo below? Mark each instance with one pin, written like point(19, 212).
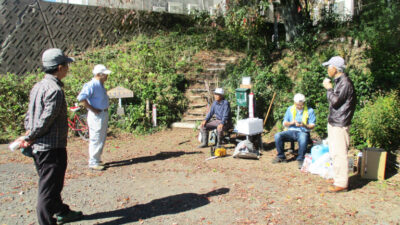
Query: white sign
point(175, 7)
point(159, 9)
point(120, 92)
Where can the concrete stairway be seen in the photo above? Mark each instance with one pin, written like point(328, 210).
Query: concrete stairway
point(201, 87)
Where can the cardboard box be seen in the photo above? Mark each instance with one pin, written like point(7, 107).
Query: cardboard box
point(373, 163)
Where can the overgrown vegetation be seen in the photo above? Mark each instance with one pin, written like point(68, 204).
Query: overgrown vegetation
point(369, 44)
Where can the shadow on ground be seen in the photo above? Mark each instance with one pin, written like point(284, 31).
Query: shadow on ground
point(356, 182)
point(163, 206)
point(159, 156)
point(268, 146)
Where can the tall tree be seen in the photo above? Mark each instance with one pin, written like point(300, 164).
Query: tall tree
point(292, 17)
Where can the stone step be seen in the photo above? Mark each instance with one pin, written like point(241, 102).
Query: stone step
point(193, 118)
point(196, 112)
point(220, 64)
point(197, 90)
point(197, 105)
point(189, 125)
point(194, 97)
point(215, 69)
point(228, 59)
point(202, 81)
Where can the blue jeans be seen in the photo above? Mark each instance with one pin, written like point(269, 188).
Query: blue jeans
point(292, 135)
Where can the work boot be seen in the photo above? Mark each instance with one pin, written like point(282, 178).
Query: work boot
point(69, 216)
point(219, 141)
point(204, 140)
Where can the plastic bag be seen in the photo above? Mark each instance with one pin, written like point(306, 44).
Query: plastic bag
point(318, 150)
point(245, 150)
point(322, 166)
point(306, 164)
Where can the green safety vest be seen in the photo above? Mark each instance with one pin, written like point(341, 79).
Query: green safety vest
point(305, 113)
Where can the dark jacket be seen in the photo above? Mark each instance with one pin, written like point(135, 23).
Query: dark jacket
point(222, 111)
point(342, 102)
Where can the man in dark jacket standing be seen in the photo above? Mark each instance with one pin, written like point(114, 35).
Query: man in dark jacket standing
point(47, 130)
point(342, 103)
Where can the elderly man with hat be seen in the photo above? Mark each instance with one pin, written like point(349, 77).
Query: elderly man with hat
point(47, 130)
point(223, 120)
point(342, 104)
point(299, 120)
point(94, 97)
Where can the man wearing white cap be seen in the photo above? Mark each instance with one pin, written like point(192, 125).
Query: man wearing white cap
point(94, 97)
point(223, 120)
point(299, 120)
point(342, 104)
point(47, 130)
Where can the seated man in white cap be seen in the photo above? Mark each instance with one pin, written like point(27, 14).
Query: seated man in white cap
point(94, 97)
point(299, 120)
point(222, 111)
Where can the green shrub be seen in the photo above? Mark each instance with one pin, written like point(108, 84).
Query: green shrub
point(311, 76)
point(149, 67)
point(378, 123)
point(14, 100)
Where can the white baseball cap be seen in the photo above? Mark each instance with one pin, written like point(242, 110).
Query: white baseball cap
point(336, 61)
point(299, 98)
point(219, 91)
point(100, 69)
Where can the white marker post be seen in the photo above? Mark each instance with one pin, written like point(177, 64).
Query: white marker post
point(251, 105)
point(154, 114)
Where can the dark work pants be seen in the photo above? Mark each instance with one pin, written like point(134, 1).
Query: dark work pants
point(51, 166)
point(213, 124)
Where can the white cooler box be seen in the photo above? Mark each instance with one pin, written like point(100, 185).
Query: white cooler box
point(250, 126)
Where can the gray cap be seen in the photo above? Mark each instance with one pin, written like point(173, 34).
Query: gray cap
point(55, 57)
point(336, 61)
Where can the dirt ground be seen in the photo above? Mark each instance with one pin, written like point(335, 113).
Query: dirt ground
point(163, 179)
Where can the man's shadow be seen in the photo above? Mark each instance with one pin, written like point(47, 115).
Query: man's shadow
point(144, 159)
point(356, 182)
point(163, 206)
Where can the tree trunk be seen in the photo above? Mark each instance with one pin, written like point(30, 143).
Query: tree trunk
point(291, 18)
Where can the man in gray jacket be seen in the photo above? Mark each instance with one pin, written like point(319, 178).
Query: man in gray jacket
point(342, 104)
point(47, 130)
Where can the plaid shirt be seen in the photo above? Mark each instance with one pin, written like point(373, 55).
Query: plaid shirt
point(46, 118)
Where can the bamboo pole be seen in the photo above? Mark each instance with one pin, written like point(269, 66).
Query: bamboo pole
point(269, 108)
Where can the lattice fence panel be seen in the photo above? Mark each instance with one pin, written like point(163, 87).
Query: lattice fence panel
point(24, 34)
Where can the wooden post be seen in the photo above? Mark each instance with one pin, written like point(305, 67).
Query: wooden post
point(147, 108)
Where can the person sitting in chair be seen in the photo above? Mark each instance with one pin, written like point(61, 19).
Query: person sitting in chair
point(222, 111)
point(299, 120)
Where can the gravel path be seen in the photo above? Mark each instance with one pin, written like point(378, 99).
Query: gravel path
point(163, 179)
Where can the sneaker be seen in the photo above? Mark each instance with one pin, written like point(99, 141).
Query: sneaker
point(300, 163)
point(336, 189)
point(279, 160)
point(97, 167)
point(69, 217)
